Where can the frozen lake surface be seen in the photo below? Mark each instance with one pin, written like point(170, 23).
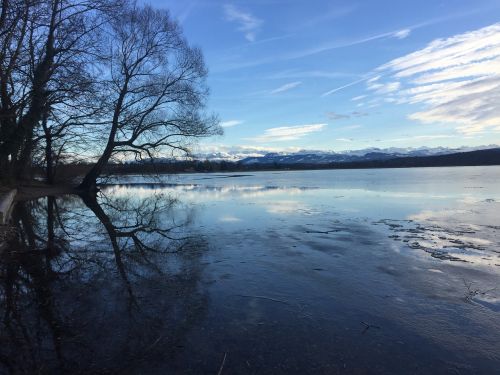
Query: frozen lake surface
point(385, 271)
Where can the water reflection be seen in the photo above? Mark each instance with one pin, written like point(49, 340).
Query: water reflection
point(97, 284)
point(275, 276)
point(198, 192)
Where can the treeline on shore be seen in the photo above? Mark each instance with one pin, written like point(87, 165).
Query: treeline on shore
point(472, 158)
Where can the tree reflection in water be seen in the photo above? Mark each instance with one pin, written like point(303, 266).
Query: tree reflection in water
point(98, 284)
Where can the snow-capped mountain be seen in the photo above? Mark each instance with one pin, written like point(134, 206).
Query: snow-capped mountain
point(324, 157)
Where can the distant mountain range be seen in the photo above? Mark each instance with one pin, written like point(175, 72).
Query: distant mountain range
point(469, 158)
point(328, 157)
point(303, 161)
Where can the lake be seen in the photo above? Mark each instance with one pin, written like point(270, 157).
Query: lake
point(381, 271)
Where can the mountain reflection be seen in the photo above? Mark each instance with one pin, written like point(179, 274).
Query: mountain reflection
point(98, 285)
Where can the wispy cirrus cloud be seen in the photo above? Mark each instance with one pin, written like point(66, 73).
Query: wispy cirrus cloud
point(307, 52)
point(235, 64)
point(380, 87)
point(242, 151)
point(399, 34)
point(249, 25)
point(429, 137)
point(456, 80)
point(286, 87)
point(295, 73)
point(402, 34)
point(327, 15)
point(230, 123)
point(186, 11)
point(351, 127)
point(288, 133)
point(357, 98)
point(341, 116)
point(340, 88)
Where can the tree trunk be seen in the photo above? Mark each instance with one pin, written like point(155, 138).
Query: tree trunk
point(49, 160)
point(89, 182)
point(22, 166)
point(23, 139)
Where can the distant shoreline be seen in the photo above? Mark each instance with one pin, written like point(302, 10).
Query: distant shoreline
point(67, 174)
point(296, 169)
point(488, 157)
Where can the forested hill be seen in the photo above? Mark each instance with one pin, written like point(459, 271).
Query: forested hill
point(471, 158)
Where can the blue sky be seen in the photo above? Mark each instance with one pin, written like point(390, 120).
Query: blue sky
point(339, 75)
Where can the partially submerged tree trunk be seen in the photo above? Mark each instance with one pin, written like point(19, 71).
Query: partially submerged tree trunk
point(89, 182)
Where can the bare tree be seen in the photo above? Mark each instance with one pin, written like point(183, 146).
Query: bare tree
point(108, 75)
point(46, 53)
point(155, 90)
point(14, 22)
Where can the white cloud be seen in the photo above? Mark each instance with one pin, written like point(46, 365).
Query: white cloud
point(325, 15)
point(186, 11)
point(359, 97)
point(248, 23)
point(288, 133)
point(299, 54)
point(230, 123)
point(331, 45)
point(295, 73)
point(343, 87)
point(384, 88)
point(456, 80)
point(243, 149)
point(286, 87)
point(429, 137)
point(351, 127)
point(402, 34)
